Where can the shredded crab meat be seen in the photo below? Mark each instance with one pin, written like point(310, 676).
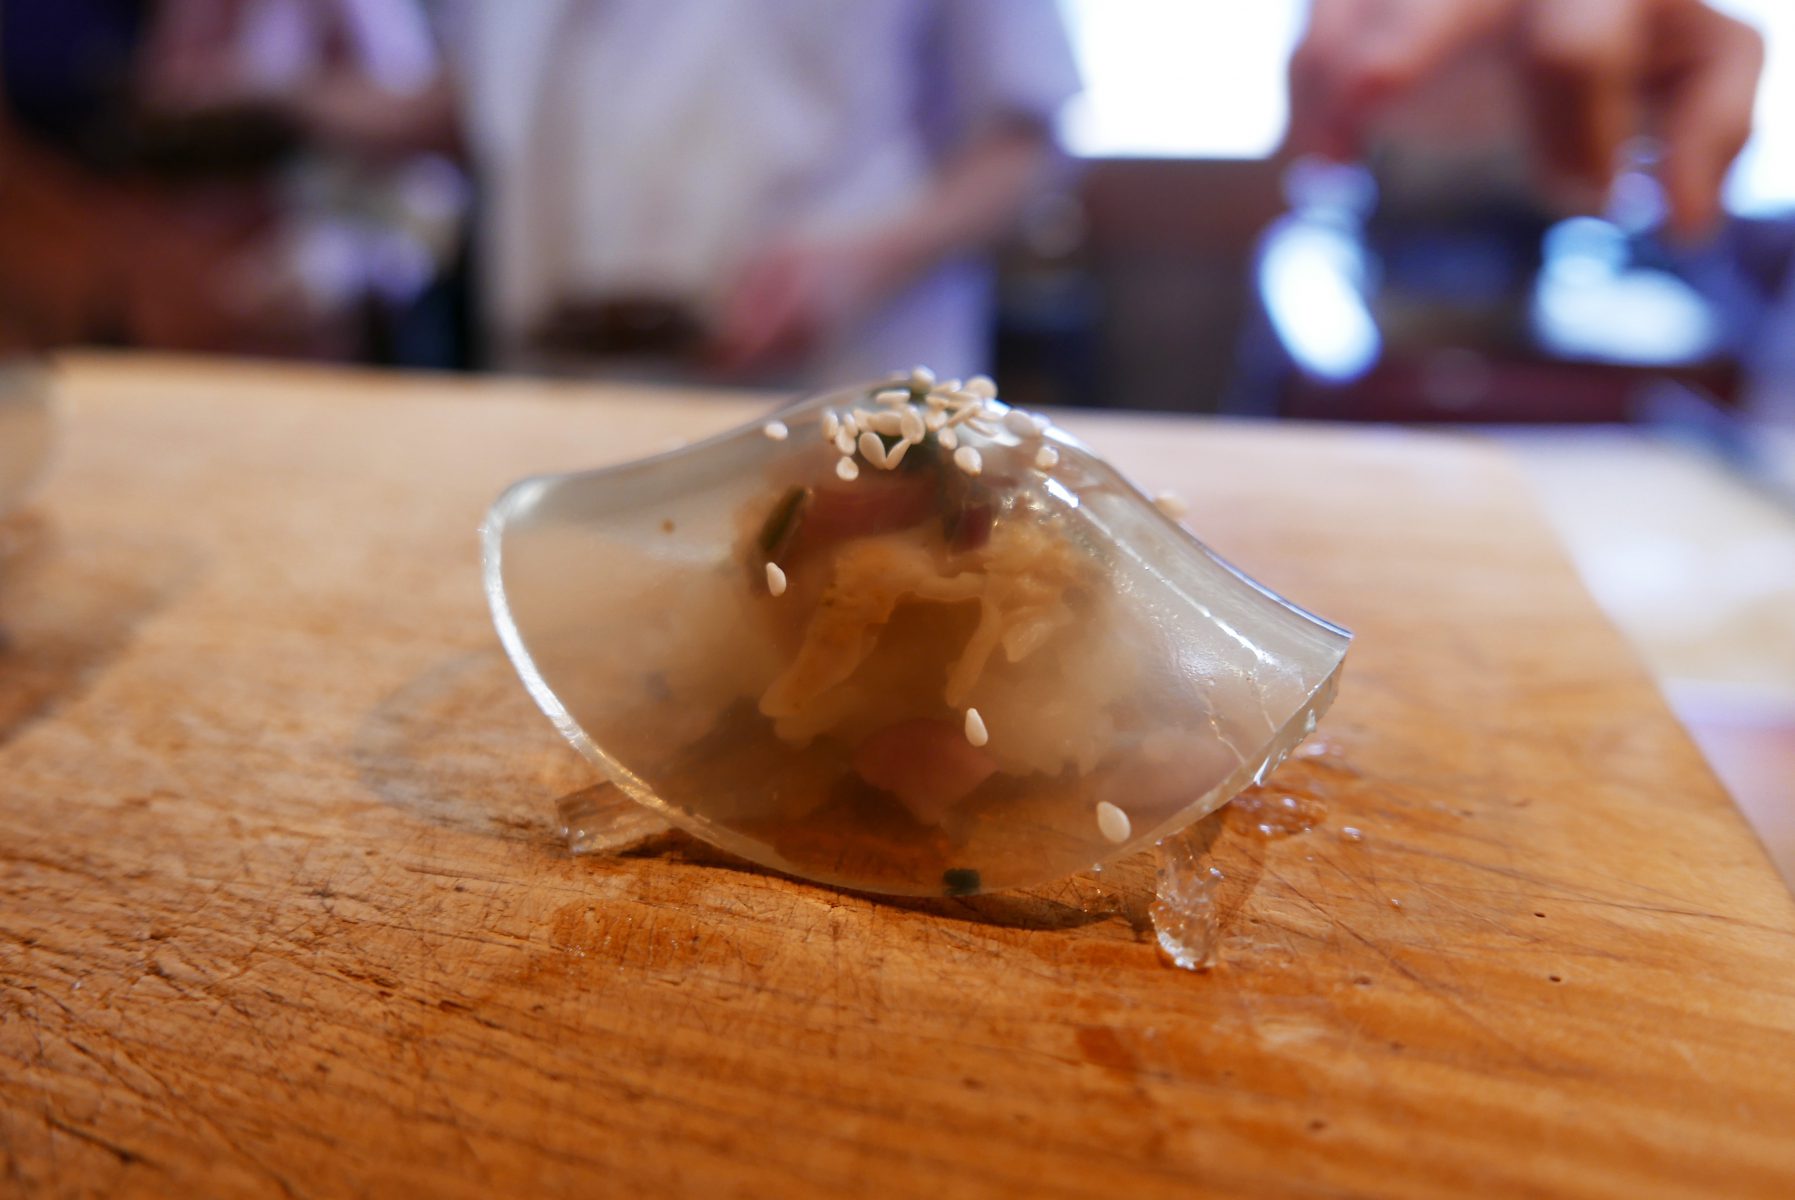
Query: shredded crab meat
point(1028, 575)
point(1020, 583)
point(871, 578)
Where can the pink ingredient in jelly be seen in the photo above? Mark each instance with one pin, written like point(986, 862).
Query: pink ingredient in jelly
point(928, 765)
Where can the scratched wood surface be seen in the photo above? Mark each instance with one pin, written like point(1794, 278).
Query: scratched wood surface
point(282, 910)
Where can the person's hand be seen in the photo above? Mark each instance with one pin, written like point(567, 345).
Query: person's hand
point(789, 298)
point(1598, 73)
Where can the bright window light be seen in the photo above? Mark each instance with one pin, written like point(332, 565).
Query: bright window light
point(1764, 180)
point(1310, 276)
point(1180, 78)
point(1205, 79)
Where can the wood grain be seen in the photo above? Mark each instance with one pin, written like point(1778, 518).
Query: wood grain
point(282, 911)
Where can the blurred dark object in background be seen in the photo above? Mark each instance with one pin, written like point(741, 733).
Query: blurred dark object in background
point(175, 180)
point(1748, 272)
point(649, 328)
point(70, 71)
point(1477, 304)
point(1047, 316)
point(1139, 296)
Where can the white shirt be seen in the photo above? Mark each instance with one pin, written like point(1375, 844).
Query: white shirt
point(648, 146)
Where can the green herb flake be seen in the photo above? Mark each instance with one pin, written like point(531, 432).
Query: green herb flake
point(782, 523)
point(960, 881)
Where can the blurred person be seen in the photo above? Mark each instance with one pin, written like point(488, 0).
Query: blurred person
point(208, 174)
point(1483, 125)
point(771, 190)
point(1595, 74)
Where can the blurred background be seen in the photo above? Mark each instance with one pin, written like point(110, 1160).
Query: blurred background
point(1096, 200)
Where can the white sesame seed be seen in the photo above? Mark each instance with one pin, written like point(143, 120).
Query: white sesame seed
point(775, 580)
point(844, 440)
point(1113, 823)
point(831, 424)
point(963, 415)
point(948, 438)
point(922, 378)
point(885, 422)
point(910, 425)
point(1047, 458)
point(968, 460)
point(895, 455)
point(847, 470)
point(936, 400)
point(850, 421)
point(949, 385)
point(893, 396)
point(1171, 504)
point(934, 421)
point(872, 449)
point(982, 427)
point(976, 733)
point(776, 430)
point(982, 385)
point(1020, 423)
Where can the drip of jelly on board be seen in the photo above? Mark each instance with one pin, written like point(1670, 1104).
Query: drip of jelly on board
point(601, 820)
point(1295, 799)
point(1279, 812)
point(1183, 909)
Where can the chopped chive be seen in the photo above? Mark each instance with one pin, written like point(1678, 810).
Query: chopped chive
point(782, 523)
point(923, 456)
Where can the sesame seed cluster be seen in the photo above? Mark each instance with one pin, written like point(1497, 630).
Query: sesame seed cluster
point(913, 406)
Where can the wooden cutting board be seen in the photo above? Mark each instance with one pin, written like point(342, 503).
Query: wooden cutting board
point(283, 911)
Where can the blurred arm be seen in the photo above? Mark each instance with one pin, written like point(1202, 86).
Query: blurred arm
point(975, 199)
point(788, 297)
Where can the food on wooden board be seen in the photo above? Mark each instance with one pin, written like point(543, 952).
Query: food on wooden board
point(902, 638)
